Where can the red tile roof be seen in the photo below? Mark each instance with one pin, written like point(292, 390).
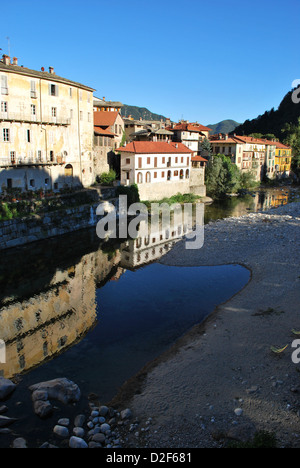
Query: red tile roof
point(198, 158)
point(190, 127)
point(105, 119)
point(153, 147)
point(102, 131)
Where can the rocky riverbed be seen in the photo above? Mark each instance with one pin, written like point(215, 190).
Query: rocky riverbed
point(223, 380)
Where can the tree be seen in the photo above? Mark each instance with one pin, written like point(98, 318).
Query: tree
point(221, 176)
point(206, 148)
point(293, 140)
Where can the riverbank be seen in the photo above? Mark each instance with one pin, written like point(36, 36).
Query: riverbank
point(222, 381)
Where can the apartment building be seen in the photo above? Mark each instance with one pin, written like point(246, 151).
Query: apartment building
point(248, 153)
point(46, 129)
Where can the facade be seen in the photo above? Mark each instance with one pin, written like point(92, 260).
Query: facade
point(46, 129)
point(161, 169)
point(249, 154)
point(190, 134)
point(283, 160)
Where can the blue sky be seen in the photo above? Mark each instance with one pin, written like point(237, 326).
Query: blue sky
point(203, 61)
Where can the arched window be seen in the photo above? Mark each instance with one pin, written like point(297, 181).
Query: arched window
point(69, 170)
point(140, 178)
point(148, 177)
point(169, 175)
point(181, 174)
point(187, 174)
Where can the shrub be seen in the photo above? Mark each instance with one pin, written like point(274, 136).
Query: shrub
point(106, 178)
point(131, 191)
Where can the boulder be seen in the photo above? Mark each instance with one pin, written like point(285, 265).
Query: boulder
point(60, 389)
point(6, 388)
point(77, 442)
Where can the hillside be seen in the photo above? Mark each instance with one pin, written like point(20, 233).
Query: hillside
point(273, 121)
point(225, 126)
point(140, 112)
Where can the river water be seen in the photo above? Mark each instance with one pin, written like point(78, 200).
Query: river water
point(97, 312)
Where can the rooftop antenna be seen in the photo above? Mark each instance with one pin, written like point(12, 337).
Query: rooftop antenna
point(8, 41)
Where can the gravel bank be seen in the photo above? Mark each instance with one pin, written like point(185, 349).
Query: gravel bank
point(222, 381)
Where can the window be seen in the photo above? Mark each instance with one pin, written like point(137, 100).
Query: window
point(162, 175)
point(32, 89)
point(148, 160)
point(53, 90)
point(33, 109)
point(148, 177)
point(140, 163)
point(139, 178)
point(127, 160)
point(155, 161)
point(6, 136)
point(9, 183)
point(46, 182)
point(69, 170)
point(4, 106)
point(39, 155)
point(53, 111)
point(80, 95)
point(12, 157)
point(70, 92)
point(163, 160)
point(4, 88)
point(155, 175)
point(32, 183)
point(51, 156)
point(28, 136)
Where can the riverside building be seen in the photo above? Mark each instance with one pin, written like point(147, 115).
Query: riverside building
point(46, 129)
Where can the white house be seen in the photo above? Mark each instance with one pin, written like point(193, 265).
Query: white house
point(161, 169)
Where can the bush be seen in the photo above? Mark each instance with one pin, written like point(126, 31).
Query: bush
point(131, 191)
point(106, 178)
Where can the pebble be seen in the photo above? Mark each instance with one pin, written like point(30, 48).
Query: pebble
point(238, 411)
point(77, 442)
point(61, 431)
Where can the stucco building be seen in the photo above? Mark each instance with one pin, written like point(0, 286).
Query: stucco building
point(161, 169)
point(46, 129)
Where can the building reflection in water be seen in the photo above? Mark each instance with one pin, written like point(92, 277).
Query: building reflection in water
point(56, 310)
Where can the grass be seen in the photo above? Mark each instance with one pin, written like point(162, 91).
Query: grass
point(178, 198)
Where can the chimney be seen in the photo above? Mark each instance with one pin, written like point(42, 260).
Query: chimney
point(5, 59)
point(226, 136)
point(51, 70)
point(103, 98)
point(15, 61)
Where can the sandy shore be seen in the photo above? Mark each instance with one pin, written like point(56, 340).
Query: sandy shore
point(222, 381)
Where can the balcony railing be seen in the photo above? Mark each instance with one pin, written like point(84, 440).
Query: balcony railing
point(30, 161)
point(33, 118)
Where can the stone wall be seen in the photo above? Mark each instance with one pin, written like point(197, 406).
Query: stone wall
point(18, 231)
point(160, 190)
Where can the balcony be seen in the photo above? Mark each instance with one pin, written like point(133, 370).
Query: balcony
point(30, 161)
point(32, 118)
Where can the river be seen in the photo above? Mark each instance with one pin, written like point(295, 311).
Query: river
point(96, 312)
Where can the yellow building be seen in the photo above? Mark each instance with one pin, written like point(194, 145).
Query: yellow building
point(46, 129)
point(283, 159)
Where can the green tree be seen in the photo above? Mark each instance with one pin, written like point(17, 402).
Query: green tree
point(221, 176)
point(293, 140)
point(206, 148)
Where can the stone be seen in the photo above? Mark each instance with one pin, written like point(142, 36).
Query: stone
point(105, 427)
point(19, 443)
point(103, 410)
point(5, 421)
point(79, 432)
point(238, 411)
point(40, 395)
point(126, 414)
point(77, 442)
point(99, 438)
point(63, 422)
point(47, 445)
point(7, 387)
point(42, 408)
point(61, 431)
point(79, 420)
point(61, 389)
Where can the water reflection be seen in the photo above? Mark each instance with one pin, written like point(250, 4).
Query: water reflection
point(86, 303)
